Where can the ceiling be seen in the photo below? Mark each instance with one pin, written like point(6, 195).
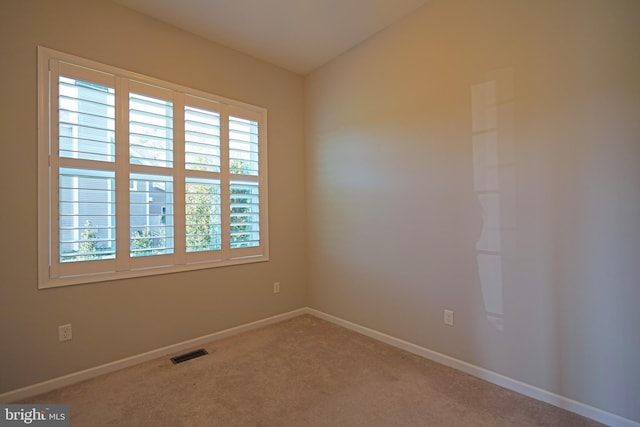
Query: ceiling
point(298, 35)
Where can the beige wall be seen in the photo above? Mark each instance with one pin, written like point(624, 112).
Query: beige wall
point(481, 156)
point(484, 156)
point(118, 319)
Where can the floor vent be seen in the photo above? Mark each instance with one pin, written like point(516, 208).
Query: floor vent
point(188, 356)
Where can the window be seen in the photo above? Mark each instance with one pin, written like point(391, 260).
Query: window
point(138, 176)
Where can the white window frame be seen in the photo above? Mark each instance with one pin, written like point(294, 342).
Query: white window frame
point(52, 272)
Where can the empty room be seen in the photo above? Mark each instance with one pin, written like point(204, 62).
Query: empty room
point(320, 212)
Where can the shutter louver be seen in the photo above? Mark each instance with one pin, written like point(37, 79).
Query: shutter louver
point(151, 215)
point(245, 215)
point(202, 140)
point(243, 146)
point(150, 131)
point(86, 215)
point(244, 227)
point(86, 197)
point(86, 120)
point(202, 215)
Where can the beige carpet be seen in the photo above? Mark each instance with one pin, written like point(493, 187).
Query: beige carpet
point(301, 372)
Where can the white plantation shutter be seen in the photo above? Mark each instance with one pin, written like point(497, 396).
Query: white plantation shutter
point(150, 131)
point(243, 146)
point(86, 120)
point(86, 215)
point(151, 208)
point(139, 176)
point(244, 186)
point(151, 215)
point(83, 155)
point(203, 219)
point(202, 139)
point(245, 214)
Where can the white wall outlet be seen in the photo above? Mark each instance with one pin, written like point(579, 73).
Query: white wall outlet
point(64, 332)
point(448, 317)
point(276, 287)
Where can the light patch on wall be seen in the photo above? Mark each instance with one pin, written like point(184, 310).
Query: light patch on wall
point(492, 125)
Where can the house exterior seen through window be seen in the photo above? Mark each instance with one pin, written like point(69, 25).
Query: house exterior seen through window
point(139, 176)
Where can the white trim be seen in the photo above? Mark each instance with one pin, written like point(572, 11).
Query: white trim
point(76, 377)
point(576, 407)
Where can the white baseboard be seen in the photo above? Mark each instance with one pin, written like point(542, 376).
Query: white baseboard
point(76, 377)
point(489, 376)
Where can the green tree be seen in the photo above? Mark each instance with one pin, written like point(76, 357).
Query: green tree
point(238, 167)
point(143, 242)
point(89, 242)
point(202, 210)
point(240, 223)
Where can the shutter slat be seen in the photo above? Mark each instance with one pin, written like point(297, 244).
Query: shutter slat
point(202, 139)
point(86, 120)
point(150, 131)
point(243, 146)
point(202, 215)
point(150, 215)
point(244, 227)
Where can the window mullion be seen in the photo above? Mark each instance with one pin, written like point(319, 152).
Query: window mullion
point(225, 197)
point(54, 170)
point(179, 226)
point(263, 185)
point(122, 174)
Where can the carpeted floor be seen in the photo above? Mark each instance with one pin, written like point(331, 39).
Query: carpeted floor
point(301, 372)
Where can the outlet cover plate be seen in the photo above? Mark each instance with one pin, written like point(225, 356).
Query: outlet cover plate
point(448, 317)
point(64, 332)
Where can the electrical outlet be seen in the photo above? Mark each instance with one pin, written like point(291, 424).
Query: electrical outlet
point(448, 317)
point(276, 287)
point(64, 332)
